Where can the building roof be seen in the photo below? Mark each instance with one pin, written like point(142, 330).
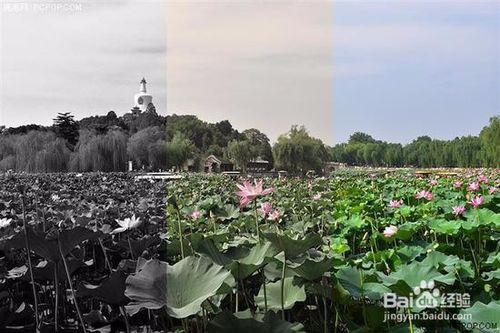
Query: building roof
point(259, 160)
point(213, 159)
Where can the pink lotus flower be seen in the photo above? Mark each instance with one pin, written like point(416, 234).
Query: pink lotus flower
point(433, 182)
point(424, 195)
point(249, 192)
point(477, 201)
point(474, 186)
point(457, 184)
point(396, 203)
point(317, 196)
point(390, 231)
point(195, 215)
point(482, 179)
point(266, 208)
point(275, 215)
point(492, 189)
point(458, 210)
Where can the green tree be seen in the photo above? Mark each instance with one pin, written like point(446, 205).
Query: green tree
point(297, 151)
point(100, 152)
point(360, 137)
point(240, 153)
point(66, 127)
point(260, 145)
point(490, 143)
point(179, 150)
point(138, 146)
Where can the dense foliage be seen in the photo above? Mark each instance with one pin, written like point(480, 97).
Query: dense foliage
point(298, 151)
point(153, 142)
point(96, 253)
point(106, 143)
point(467, 151)
point(99, 143)
point(318, 255)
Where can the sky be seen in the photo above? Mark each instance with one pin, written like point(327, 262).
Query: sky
point(88, 60)
point(393, 69)
point(408, 68)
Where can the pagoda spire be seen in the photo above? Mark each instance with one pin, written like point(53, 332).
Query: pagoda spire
point(143, 85)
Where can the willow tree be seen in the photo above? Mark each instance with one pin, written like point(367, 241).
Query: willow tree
point(490, 142)
point(297, 151)
point(143, 145)
point(240, 153)
point(179, 150)
point(100, 152)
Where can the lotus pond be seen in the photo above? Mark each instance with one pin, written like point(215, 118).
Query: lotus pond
point(96, 253)
point(355, 252)
point(290, 255)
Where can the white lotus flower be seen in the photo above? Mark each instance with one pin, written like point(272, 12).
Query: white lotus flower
point(127, 224)
point(390, 231)
point(55, 197)
point(5, 222)
point(17, 272)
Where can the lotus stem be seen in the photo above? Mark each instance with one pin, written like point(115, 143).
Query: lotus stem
point(106, 260)
point(325, 309)
point(148, 327)
point(410, 321)
point(124, 314)
point(214, 225)
point(474, 258)
point(363, 298)
point(256, 219)
point(265, 291)
point(130, 247)
point(30, 265)
point(68, 276)
point(180, 233)
point(237, 300)
point(283, 289)
point(56, 306)
point(336, 319)
point(325, 315)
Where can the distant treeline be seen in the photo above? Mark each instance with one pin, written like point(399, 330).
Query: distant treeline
point(466, 151)
point(154, 142)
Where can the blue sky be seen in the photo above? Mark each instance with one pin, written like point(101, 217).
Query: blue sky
point(415, 68)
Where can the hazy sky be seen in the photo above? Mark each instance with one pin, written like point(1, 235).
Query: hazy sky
point(394, 69)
